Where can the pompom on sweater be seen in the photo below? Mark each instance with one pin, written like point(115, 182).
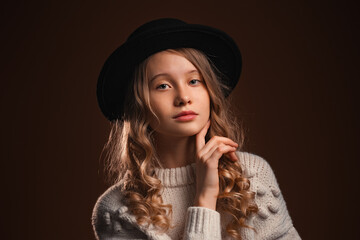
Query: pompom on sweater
point(112, 221)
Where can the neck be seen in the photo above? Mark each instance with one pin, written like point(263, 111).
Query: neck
point(175, 151)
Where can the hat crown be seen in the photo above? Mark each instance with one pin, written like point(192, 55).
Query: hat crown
point(156, 25)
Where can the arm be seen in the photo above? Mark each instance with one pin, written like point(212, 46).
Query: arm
point(273, 220)
point(203, 221)
point(109, 218)
point(202, 224)
point(290, 235)
point(110, 227)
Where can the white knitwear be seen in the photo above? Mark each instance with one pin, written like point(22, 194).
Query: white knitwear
point(111, 220)
point(179, 191)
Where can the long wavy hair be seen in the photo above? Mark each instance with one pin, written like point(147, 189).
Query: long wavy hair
point(131, 158)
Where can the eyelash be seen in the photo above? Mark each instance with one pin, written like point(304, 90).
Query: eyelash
point(159, 87)
point(196, 80)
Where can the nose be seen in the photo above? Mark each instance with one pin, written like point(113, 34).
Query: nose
point(182, 99)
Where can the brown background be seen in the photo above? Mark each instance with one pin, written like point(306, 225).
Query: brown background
point(296, 96)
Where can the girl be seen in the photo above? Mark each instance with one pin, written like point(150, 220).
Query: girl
point(174, 147)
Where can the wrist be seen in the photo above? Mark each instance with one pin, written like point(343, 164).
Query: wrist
point(205, 201)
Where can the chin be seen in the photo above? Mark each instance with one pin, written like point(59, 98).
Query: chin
point(185, 130)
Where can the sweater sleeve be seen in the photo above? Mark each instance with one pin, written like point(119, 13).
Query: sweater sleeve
point(272, 220)
point(202, 224)
point(110, 221)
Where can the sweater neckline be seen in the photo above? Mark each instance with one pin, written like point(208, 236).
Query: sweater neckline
point(176, 177)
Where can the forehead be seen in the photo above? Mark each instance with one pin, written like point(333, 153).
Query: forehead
point(168, 62)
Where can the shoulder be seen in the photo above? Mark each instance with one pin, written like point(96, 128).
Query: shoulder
point(110, 218)
point(272, 220)
point(254, 165)
point(105, 209)
point(110, 200)
point(262, 180)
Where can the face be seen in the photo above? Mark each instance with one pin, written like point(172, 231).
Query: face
point(178, 95)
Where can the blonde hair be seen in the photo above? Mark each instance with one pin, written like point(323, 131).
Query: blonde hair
point(131, 159)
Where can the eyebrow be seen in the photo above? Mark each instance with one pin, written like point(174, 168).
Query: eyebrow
point(166, 74)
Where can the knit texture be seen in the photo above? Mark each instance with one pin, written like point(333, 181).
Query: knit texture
point(111, 219)
point(179, 191)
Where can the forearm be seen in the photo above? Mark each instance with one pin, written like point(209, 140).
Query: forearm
point(206, 201)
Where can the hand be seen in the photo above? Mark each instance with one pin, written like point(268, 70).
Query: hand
point(207, 161)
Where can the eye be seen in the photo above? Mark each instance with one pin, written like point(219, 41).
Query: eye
point(195, 82)
point(162, 86)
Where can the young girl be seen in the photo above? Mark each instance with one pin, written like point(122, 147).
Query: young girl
point(175, 149)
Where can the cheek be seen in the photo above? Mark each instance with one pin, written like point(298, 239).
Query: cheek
point(160, 109)
point(205, 101)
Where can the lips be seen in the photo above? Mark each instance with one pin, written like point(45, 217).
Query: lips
point(185, 113)
point(185, 116)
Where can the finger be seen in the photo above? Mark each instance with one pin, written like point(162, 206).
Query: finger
point(209, 153)
point(232, 156)
point(217, 152)
point(224, 140)
point(200, 137)
point(214, 159)
point(217, 141)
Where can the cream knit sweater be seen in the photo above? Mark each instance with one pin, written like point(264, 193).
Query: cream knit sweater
point(111, 219)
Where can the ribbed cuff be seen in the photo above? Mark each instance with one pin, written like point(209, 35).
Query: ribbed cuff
point(202, 223)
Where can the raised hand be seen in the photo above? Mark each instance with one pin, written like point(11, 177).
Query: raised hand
point(207, 160)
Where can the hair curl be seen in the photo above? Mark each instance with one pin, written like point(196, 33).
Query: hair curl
point(131, 159)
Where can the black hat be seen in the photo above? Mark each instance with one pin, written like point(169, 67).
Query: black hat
point(156, 36)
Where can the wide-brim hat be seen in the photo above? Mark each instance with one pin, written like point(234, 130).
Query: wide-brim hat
point(156, 36)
